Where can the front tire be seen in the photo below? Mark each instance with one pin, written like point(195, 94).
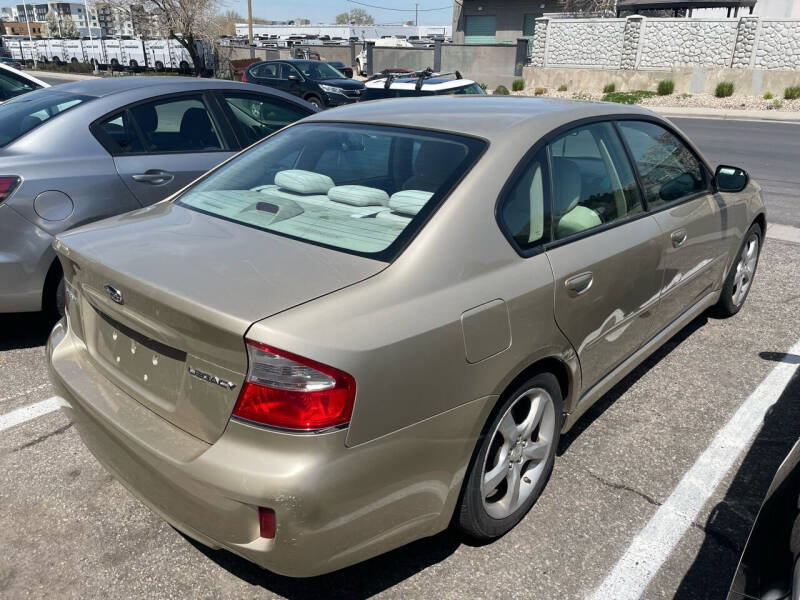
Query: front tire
point(740, 278)
point(315, 101)
point(514, 459)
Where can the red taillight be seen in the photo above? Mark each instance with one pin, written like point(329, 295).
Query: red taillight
point(7, 186)
point(266, 522)
point(289, 391)
point(244, 77)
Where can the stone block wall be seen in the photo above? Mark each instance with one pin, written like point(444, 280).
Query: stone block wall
point(582, 42)
point(641, 43)
point(778, 44)
point(687, 43)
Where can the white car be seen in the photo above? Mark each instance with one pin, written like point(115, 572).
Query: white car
point(15, 83)
point(420, 83)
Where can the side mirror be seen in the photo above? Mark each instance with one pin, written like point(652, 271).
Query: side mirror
point(730, 179)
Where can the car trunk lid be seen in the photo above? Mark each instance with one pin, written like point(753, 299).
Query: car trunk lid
point(166, 294)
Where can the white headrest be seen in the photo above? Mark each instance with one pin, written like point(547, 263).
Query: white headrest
point(409, 202)
point(303, 182)
point(358, 195)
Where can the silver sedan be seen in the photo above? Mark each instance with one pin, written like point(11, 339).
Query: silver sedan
point(87, 150)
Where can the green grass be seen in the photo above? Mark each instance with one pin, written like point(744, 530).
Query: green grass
point(609, 88)
point(724, 89)
point(792, 93)
point(518, 85)
point(633, 97)
point(665, 87)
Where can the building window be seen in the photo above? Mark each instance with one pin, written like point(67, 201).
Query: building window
point(480, 29)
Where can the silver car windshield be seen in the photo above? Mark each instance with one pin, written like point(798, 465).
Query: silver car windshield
point(24, 113)
point(362, 189)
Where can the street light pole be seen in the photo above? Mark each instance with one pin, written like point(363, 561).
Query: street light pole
point(250, 20)
point(30, 37)
point(91, 38)
point(416, 14)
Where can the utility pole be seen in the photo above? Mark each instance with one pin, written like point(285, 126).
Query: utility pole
point(416, 14)
point(250, 20)
point(30, 37)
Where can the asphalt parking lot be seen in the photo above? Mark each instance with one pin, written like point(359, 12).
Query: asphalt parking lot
point(70, 530)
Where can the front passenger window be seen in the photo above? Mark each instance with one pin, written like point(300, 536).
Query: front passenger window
point(593, 182)
point(668, 169)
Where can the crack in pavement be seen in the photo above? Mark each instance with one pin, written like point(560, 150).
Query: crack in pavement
point(718, 536)
point(42, 438)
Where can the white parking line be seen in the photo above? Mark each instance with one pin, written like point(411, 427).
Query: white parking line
point(653, 545)
point(32, 411)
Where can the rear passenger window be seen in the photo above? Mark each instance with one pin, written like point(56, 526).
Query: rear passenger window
point(177, 125)
point(121, 134)
point(668, 169)
point(593, 183)
point(523, 213)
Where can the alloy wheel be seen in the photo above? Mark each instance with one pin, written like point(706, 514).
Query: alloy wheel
point(518, 452)
point(745, 270)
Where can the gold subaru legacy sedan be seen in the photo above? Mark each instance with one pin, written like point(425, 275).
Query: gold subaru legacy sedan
point(377, 322)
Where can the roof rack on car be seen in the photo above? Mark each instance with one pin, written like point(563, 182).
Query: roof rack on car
point(420, 76)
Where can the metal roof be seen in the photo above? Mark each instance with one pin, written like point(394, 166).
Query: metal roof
point(672, 4)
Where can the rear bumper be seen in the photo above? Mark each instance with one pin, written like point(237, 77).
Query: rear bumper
point(334, 505)
point(25, 258)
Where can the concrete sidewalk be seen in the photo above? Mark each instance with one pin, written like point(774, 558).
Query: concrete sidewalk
point(722, 113)
point(60, 75)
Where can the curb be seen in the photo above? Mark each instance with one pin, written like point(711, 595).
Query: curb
point(725, 114)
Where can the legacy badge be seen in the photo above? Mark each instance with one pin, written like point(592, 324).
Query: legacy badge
point(211, 378)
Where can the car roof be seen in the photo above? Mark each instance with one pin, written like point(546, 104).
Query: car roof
point(495, 118)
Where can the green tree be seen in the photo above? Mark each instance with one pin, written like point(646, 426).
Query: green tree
point(357, 16)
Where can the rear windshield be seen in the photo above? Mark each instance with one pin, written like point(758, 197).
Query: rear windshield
point(362, 189)
point(380, 93)
point(24, 113)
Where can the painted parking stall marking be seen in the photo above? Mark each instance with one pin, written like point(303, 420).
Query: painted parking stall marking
point(32, 411)
point(656, 541)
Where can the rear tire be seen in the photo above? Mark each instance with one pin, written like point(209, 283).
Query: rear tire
point(740, 278)
point(513, 460)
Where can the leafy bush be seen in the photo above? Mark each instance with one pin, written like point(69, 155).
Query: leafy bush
point(501, 90)
point(562, 88)
point(777, 104)
point(724, 89)
point(539, 91)
point(666, 87)
point(518, 85)
point(768, 96)
point(483, 86)
point(792, 93)
point(628, 97)
point(610, 88)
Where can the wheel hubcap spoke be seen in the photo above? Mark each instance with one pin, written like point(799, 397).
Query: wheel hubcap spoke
point(536, 450)
point(511, 499)
point(745, 270)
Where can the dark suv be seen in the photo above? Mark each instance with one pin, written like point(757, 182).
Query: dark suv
point(314, 81)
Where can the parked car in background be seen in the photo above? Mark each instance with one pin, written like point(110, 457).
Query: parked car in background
point(86, 150)
point(342, 68)
point(14, 82)
point(365, 329)
point(10, 62)
point(769, 568)
point(419, 83)
point(312, 80)
point(384, 42)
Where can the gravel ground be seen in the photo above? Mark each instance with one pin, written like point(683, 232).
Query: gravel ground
point(688, 100)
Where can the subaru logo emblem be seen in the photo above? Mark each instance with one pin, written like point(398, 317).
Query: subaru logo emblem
point(114, 294)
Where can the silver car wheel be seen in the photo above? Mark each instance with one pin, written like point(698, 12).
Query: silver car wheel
point(745, 270)
point(518, 452)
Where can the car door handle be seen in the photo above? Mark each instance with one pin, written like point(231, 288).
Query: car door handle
point(579, 284)
point(154, 177)
point(678, 238)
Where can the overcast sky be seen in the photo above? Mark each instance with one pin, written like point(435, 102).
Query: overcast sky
point(325, 11)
